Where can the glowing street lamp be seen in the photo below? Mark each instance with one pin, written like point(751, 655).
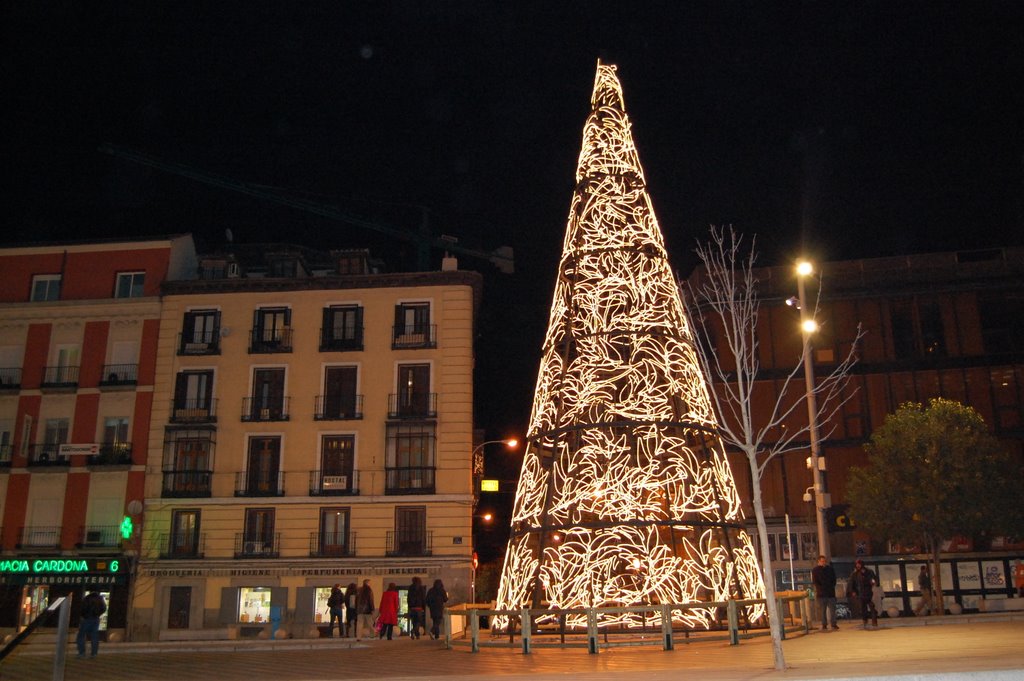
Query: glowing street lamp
point(808, 326)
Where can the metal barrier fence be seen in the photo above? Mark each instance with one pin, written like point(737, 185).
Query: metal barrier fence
point(523, 631)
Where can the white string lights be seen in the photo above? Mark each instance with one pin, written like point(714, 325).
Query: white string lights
point(625, 495)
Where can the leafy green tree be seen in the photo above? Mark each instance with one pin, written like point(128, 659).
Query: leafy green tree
point(935, 472)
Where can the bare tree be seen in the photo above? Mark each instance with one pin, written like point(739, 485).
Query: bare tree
point(726, 299)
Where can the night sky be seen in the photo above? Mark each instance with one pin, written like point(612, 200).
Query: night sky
point(849, 129)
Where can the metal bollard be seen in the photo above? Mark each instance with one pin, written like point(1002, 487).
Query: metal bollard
point(734, 623)
point(592, 631)
point(527, 630)
point(474, 631)
point(666, 626)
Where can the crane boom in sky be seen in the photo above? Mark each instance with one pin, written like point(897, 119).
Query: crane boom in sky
point(502, 257)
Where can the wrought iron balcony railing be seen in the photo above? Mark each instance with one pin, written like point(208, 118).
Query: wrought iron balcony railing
point(332, 544)
point(264, 409)
point(99, 537)
point(46, 455)
point(40, 537)
point(182, 545)
point(249, 546)
point(112, 454)
point(338, 408)
point(409, 543)
point(119, 374)
point(60, 377)
point(258, 484)
point(202, 343)
point(341, 340)
point(409, 480)
point(199, 410)
point(412, 406)
point(270, 340)
point(186, 484)
point(417, 336)
point(10, 378)
point(328, 485)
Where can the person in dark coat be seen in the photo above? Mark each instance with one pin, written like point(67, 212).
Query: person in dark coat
point(335, 604)
point(823, 577)
point(436, 598)
point(417, 601)
point(364, 605)
point(93, 608)
point(861, 586)
point(351, 596)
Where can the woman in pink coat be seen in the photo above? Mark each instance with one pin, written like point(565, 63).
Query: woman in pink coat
point(388, 610)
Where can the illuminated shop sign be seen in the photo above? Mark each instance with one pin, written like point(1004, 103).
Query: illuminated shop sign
point(63, 570)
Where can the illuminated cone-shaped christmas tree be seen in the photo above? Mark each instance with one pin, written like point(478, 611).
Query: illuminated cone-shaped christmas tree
point(625, 495)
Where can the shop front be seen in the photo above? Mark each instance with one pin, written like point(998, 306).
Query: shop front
point(29, 584)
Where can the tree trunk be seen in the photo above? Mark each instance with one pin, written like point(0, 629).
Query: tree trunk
point(775, 622)
point(938, 602)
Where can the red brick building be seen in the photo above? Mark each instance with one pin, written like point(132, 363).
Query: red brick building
point(78, 337)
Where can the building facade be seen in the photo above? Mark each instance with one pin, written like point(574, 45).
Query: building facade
point(79, 325)
point(935, 325)
point(312, 425)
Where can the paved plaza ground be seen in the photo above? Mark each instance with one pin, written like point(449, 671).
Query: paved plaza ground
point(976, 648)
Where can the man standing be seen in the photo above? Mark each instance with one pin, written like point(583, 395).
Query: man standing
point(365, 605)
point(89, 623)
point(862, 583)
point(924, 585)
point(823, 576)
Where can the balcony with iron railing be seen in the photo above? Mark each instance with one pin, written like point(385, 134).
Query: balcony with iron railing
point(60, 377)
point(262, 341)
point(10, 378)
point(332, 544)
point(341, 340)
point(182, 545)
point(119, 375)
point(338, 407)
point(6, 451)
point(112, 454)
point(408, 480)
point(258, 484)
point(265, 409)
point(333, 485)
point(99, 537)
point(412, 406)
point(195, 410)
point(248, 546)
point(40, 538)
point(409, 543)
point(419, 336)
point(186, 484)
point(46, 455)
point(204, 343)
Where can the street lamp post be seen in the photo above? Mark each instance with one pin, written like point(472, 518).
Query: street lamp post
point(807, 325)
point(477, 462)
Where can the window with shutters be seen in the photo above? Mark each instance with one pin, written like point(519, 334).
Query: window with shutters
point(200, 333)
point(271, 330)
point(412, 327)
point(342, 328)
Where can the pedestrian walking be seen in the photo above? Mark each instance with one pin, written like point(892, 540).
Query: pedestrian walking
point(924, 585)
point(335, 605)
point(436, 598)
point(388, 616)
point(364, 604)
point(861, 586)
point(823, 577)
point(93, 607)
point(417, 601)
point(351, 595)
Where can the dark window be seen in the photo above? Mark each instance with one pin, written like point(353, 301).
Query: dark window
point(337, 461)
point(410, 458)
point(178, 607)
point(130, 285)
point(271, 330)
point(933, 338)
point(901, 314)
point(411, 530)
point(340, 399)
point(917, 329)
point(342, 328)
point(184, 533)
point(412, 326)
point(200, 332)
point(268, 401)
point(258, 536)
point(284, 267)
point(334, 531)
point(45, 287)
point(264, 465)
point(999, 313)
point(413, 396)
point(193, 390)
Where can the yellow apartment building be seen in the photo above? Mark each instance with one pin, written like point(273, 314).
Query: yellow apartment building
point(312, 424)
